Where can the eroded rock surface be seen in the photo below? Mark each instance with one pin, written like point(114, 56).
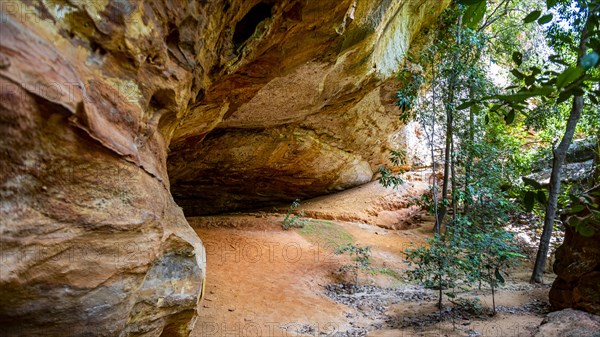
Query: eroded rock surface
point(301, 108)
point(577, 267)
point(569, 323)
point(92, 243)
point(96, 95)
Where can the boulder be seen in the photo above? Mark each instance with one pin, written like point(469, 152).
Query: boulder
point(569, 323)
point(577, 266)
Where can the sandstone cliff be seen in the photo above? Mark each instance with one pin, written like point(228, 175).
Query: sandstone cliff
point(295, 103)
point(106, 107)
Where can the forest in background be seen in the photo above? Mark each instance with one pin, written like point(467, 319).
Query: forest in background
point(504, 90)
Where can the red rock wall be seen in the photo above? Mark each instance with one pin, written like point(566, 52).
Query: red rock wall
point(577, 267)
point(91, 240)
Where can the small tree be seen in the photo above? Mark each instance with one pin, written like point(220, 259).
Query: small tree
point(436, 266)
point(488, 254)
point(464, 255)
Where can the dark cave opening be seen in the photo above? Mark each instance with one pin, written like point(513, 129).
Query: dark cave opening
point(247, 25)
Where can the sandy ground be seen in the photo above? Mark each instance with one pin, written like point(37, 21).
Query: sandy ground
point(264, 281)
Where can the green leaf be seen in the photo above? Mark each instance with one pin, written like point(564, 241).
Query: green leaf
point(543, 91)
point(516, 254)
point(529, 80)
point(573, 221)
point(466, 105)
point(523, 95)
point(499, 276)
point(585, 230)
point(510, 118)
point(532, 16)
point(517, 74)
point(566, 39)
point(568, 76)
point(541, 197)
point(474, 14)
point(551, 3)
point(576, 209)
point(545, 19)
point(529, 201)
point(563, 96)
point(517, 58)
point(590, 60)
point(495, 107)
point(451, 295)
point(532, 183)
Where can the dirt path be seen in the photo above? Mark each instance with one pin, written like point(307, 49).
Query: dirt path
point(264, 281)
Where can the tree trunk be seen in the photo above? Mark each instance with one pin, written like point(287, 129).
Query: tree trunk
point(559, 158)
point(493, 299)
point(597, 162)
point(449, 107)
point(453, 180)
point(468, 168)
point(437, 225)
point(447, 154)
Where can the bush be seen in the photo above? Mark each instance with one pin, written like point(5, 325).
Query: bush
point(294, 220)
point(362, 258)
point(462, 256)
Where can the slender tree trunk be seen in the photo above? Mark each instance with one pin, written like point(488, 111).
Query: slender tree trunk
point(449, 127)
point(468, 168)
point(493, 299)
point(559, 158)
point(440, 293)
point(437, 225)
point(453, 180)
point(447, 154)
point(597, 162)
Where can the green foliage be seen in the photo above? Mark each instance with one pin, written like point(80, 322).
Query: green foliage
point(544, 85)
point(584, 211)
point(561, 79)
point(408, 94)
point(360, 255)
point(437, 266)
point(474, 15)
point(424, 201)
point(465, 255)
point(293, 220)
point(387, 177)
point(533, 192)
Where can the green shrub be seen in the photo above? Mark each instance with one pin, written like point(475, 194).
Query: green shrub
point(294, 220)
point(464, 255)
point(361, 257)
